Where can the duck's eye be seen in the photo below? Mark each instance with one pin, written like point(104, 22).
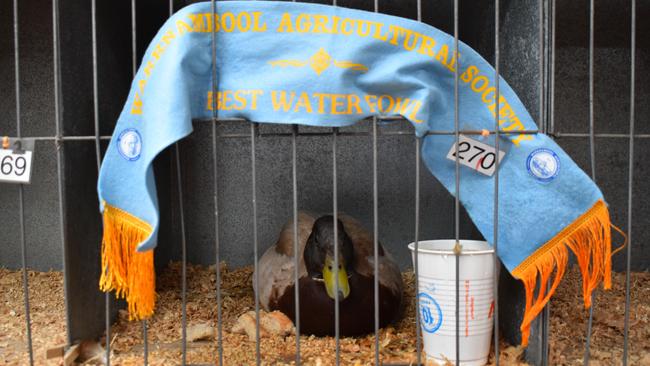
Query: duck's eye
point(330, 267)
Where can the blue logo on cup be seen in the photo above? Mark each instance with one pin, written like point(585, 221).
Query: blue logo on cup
point(129, 144)
point(543, 165)
point(430, 313)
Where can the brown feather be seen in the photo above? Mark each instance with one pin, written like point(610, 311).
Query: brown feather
point(277, 264)
point(284, 245)
point(363, 241)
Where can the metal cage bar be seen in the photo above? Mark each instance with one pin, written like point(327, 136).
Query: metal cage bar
point(495, 239)
point(375, 236)
point(134, 61)
point(457, 248)
point(296, 252)
point(58, 108)
point(640, 136)
point(215, 187)
point(21, 193)
point(294, 186)
point(551, 129)
point(630, 183)
point(547, 92)
point(255, 244)
point(335, 210)
point(416, 244)
point(98, 157)
point(375, 224)
point(337, 315)
point(134, 40)
point(179, 181)
point(592, 161)
point(543, 113)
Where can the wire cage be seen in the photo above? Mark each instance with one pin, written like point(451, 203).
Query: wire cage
point(67, 66)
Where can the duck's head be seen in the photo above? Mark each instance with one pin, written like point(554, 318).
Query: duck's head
point(319, 256)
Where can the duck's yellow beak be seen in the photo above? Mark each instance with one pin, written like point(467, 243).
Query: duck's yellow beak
point(330, 276)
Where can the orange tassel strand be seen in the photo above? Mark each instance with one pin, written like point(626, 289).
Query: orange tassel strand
point(589, 238)
point(129, 272)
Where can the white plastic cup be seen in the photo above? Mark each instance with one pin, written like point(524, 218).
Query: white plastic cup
point(437, 300)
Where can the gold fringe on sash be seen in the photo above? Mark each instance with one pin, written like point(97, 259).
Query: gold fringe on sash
point(589, 238)
point(129, 272)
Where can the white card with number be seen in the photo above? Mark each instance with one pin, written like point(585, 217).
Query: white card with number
point(475, 155)
point(15, 167)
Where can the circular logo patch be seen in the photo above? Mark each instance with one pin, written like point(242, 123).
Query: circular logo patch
point(129, 144)
point(543, 165)
point(430, 313)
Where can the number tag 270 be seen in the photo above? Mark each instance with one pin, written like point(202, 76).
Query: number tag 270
point(15, 167)
point(475, 155)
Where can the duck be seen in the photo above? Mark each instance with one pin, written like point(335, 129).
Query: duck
point(317, 279)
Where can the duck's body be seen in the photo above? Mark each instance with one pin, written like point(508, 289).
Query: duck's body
point(356, 284)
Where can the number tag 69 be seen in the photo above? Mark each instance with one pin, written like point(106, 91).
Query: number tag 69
point(475, 155)
point(15, 167)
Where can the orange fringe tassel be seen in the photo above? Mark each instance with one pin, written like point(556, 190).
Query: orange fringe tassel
point(589, 238)
point(129, 272)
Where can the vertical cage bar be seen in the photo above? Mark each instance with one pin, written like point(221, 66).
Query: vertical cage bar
point(215, 183)
point(145, 343)
point(59, 151)
point(179, 181)
point(21, 198)
point(98, 156)
point(95, 84)
point(543, 124)
point(592, 141)
point(630, 185)
point(296, 274)
point(552, 71)
point(23, 257)
point(215, 190)
point(336, 241)
point(495, 239)
point(375, 234)
point(134, 60)
point(548, 124)
point(592, 158)
point(134, 44)
point(375, 225)
point(540, 40)
point(335, 208)
point(296, 252)
point(255, 256)
point(17, 72)
point(416, 245)
point(418, 349)
point(457, 248)
point(295, 241)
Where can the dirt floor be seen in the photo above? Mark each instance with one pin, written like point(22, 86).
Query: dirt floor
point(397, 343)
